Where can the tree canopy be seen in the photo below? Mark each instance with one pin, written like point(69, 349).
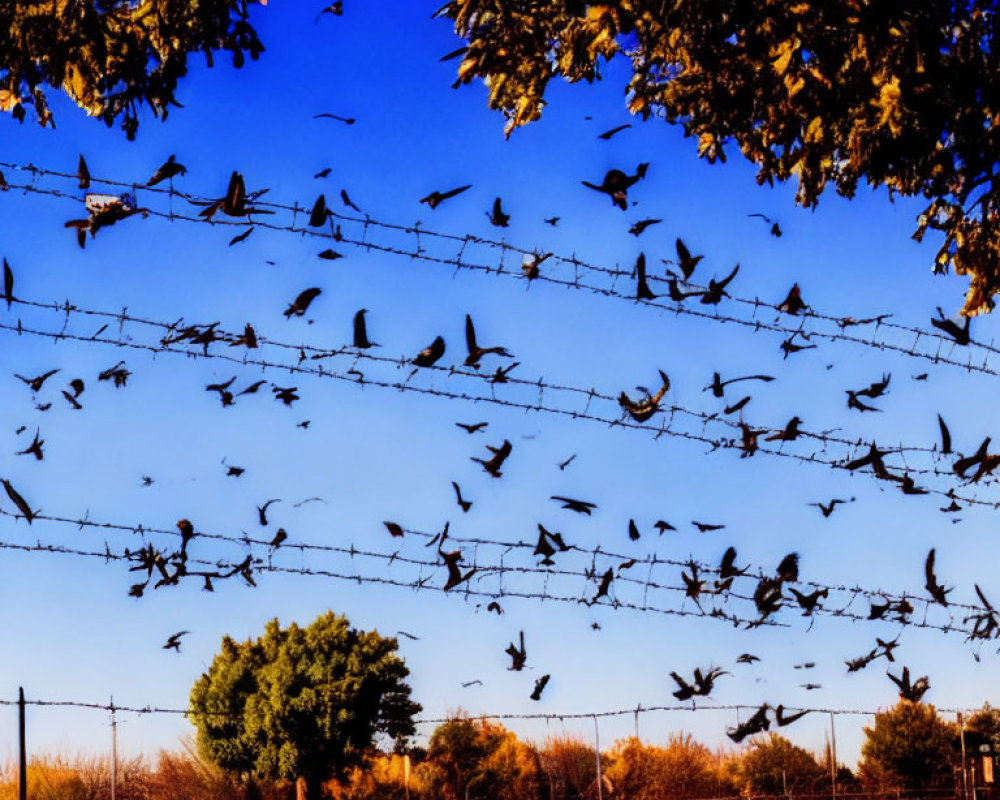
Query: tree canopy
point(111, 56)
point(908, 747)
point(774, 766)
point(903, 95)
point(302, 702)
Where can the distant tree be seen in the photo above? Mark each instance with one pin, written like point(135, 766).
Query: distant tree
point(569, 767)
point(772, 765)
point(983, 727)
point(112, 56)
point(302, 703)
point(905, 95)
point(681, 770)
point(909, 748)
point(478, 760)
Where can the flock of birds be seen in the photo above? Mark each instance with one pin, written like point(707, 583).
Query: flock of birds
point(773, 591)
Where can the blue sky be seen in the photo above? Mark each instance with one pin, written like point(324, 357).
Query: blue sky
point(375, 454)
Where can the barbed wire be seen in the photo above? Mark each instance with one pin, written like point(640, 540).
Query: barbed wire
point(578, 265)
point(665, 427)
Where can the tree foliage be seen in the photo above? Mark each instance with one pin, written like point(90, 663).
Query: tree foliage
point(905, 95)
point(681, 770)
point(302, 702)
point(773, 765)
point(908, 747)
point(111, 56)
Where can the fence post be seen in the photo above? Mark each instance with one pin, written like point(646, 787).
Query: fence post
point(833, 758)
point(114, 750)
point(22, 781)
point(597, 748)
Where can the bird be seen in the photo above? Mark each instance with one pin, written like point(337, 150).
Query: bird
point(475, 351)
point(775, 228)
point(788, 346)
point(83, 173)
point(782, 719)
point(643, 409)
point(323, 173)
point(395, 529)
point(518, 655)
point(633, 531)
point(235, 203)
point(72, 400)
point(563, 464)
point(861, 662)
point(603, 586)
point(252, 388)
point(497, 217)
point(662, 526)
point(346, 198)
point(809, 602)
point(285, 394)
point(579, 506)
point(240, 237)
point(465, 504)
point(789, 433)
point(728, 570)
point(642, 291)
point(935, 589)
point(788, 569)
point(910, 691)
point(959, 335)
point(262, 511)
point(638, 227)
point(718, 386)
point(247, 339)
point(756, 723)
point(174, 641)
point(169, 169)
point(338, 117)
point(616, 184)
point(608, 134)
point(687, 262)
point(301, 304)
point(329, 254)
point(746, 658)
point(553, 221)
point(945, 436)
point(35, 384)
point(455, 576)
point(280, 535)
point(540, 685)
point(493, 464)
point(717, 289)
point(705, 527)
point(876, 389)
point(738, 405)
point(431, 354)
point(34, 449)
point(495, 607)
point(320, 213)
point(809, 687)
point(531, 262)
point(234, 471)
point(693, 584)
point(827, 509)
point(361, 331)
point(435, 198)
point(675, 294)
point(335, 9)
point(8, 283)
point(472, 428)
point(467, 684)
point(793, 302)
point(874, 460)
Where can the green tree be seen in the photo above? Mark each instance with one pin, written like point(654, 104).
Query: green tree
point(983, 727)
point(111, 56)
point(908, 747)
point(302, 703)
point(773, 765)
point(905, 95)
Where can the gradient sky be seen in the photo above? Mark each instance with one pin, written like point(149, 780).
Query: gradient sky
point(72, 633)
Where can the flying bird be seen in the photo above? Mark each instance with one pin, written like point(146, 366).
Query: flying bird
point(518, 655)
point(757, 723)
point(174, 641)
point(493, 464)
point(789, 433)
point(475, 351)
point(465, 504)
point(34, 449)
point(945, 436)
point(455, 576)
point(827, 509)
point(434, 199)
point(959, 335)
point(473, 428)
point(563, 464)
point(497, 217)
point(301, 304)
point(430, 355)
point(747, 658)
point(346, 200)
point(789, 346)
point(910, 691)
point(782, 719)
point(793, 302)
point(705, 527)
point(616, 184)
point(579, 506)
point(935, 589)
point(638, 227)
point(262, 511)
point(608, 134)
point(643, 409)
point(775, 228)
point(717, 289)
point(167, 170)
point(35, 384)
point(718, 386)
point(540, 685)
point(687, 262)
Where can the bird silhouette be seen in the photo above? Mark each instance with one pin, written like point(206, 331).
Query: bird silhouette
point(705, 527)
point(518, 654)
point(633, 531)
point(718, 386)
point(687, 262)
point(83, 173)
point(280, 535)
point(465, 504)
point(789, 433)
point(789, 346)
point(300, 305)
point(361, 331)
point(616, 185)
point(563, 464)
point(34, 449)
point(984, 462)
point(323, 173)
point(8, 283)
point(747, 658)
point(345, 198)
point(241, 237)
point(174, 641)
point(787, 719)
point(320, 213)
point(579, 506)
point(530, 264)
point(827, 509)
point(738, 405)
point(169, 169)
point(959, 335)
point(472, 428)
point(286, 395)
point(642, 410)
point(72, 400)
point(788, 569)
point(608, 134)
point(455, 576)
point(775, 227)
point(876, 389)
point(475, 351)
point(693, 584)
point(434, 199)
point(872, 459)
point(642, 290)
point(553, 221)
point(638, 227)
point(717, 289)
point(247, 339)
point(757, 723)
point(945, 436)
point(497, 217)
point(262, 511)
point(935, 589)
point(910, 691)
point(675, 294)
point(395, 529)
point(662, 526)
point(235, 203)
point(35, 384)
point(540, 685)
point(809, 602)
point(728, 570)
point(20, 502)
point(793, 302)
point(493, 464)
point(431, 354)
point(603, 586)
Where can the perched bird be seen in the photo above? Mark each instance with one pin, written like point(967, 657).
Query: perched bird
point(643, 409)
point(430, 355)
point(247, 339)
point(642, 291)
point(497, 217)
point(910, 691)
point(455, 576)
point(935, 589)
point(8, 283)
point(174, 641)
point(473, 428)
point(320, 213)
point(301, 304)
point(361, 331)
point(435, 198)
point(475, 351)
point(579, 506)
point(280, 535)
point(687, 262)
point(518, 655)
point(793, 302)
point(465, 504)
point(789, 433)
point(757, 723)
point(493, 464)
point(959, 335)
point(540, 685)
point(395, 529)
point(167, 170)
point(603, 587)
point(809, 602)
point(717, 289)
point(83, 173)
point(616, 184)
point(608, 134)
point(788, 569)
